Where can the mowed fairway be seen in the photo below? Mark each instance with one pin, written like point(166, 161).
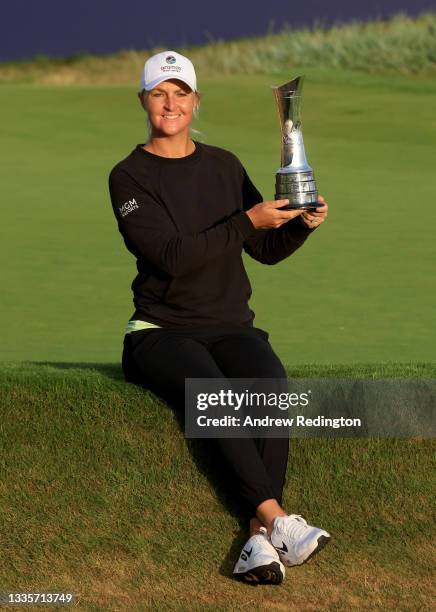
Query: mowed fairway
point(360, 290)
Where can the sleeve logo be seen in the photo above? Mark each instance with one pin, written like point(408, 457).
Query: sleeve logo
point(127, 207)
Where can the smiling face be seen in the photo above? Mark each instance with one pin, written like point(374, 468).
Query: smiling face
point(170, 107)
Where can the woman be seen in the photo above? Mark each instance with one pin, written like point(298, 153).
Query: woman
point(186, 210)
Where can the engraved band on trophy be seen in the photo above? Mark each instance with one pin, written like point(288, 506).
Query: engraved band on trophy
point(294, 179)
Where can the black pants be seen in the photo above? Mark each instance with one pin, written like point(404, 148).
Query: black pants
point(160, 360)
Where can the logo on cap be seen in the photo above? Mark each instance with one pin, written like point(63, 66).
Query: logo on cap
point(170, 59)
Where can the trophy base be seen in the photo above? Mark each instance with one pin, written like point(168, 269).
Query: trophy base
point(297, 187)
point(311, 207)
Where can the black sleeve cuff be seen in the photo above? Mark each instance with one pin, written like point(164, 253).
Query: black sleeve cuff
point(244, 224)
point(299, 231)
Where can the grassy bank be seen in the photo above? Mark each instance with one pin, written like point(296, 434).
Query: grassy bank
point(400, 45)
point(103, 496)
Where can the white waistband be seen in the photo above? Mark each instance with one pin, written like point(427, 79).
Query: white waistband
point(136, 324)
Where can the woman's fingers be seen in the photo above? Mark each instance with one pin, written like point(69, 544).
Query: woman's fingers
point(270, 214)
point(320, 213)
point(286, 215)
point(314, 218)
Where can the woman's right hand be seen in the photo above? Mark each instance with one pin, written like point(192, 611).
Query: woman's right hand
point(266, 214)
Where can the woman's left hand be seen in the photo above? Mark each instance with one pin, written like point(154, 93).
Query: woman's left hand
point(312, 218)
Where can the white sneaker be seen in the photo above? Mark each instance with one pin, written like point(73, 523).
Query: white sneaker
point(259, 562)
point(295, 540)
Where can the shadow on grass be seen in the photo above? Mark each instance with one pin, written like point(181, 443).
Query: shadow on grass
point(214, 468)
point(209, 464)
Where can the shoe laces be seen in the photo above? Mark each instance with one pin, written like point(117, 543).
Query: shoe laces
point(296, 527)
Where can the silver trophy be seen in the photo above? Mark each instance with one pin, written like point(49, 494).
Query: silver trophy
point(294, 180)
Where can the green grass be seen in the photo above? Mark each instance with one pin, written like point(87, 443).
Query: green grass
point(102, 495)
point(399, 45)
point(360, 290)
point(100, 492)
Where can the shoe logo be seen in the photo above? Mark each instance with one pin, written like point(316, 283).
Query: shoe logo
point(282, 549)
point(246, 553)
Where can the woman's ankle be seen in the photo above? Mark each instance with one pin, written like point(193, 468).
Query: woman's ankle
point(268, 511)
point(255, 526)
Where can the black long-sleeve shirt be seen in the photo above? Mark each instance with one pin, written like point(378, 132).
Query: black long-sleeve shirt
point(184, 221)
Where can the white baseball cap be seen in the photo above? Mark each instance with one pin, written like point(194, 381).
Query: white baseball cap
point(168, 65)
